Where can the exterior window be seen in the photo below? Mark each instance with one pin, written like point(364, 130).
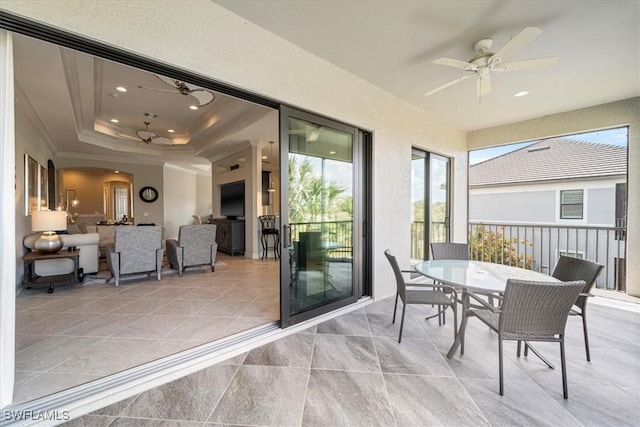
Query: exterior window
point(571, 204)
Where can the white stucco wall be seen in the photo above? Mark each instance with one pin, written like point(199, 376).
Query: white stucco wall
point(615, 114)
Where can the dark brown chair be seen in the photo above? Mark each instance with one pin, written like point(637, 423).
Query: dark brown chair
point(569, 268)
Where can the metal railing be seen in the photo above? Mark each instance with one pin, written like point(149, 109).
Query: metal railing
point(438, 234)
point(338, 232)
point(539, 246)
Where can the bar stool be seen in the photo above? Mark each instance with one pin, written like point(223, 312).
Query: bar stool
point(268, 225)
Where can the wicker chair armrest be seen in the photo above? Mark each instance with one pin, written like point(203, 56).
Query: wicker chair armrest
point(484, 303)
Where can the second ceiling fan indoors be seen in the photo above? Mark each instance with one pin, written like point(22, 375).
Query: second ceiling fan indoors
point(485, 62)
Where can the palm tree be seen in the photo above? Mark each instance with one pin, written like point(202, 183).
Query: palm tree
point(311, 199)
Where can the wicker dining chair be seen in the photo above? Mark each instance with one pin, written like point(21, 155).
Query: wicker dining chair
point(450, 251)
point(411, 292)
point(569, 268)
point(530, 311)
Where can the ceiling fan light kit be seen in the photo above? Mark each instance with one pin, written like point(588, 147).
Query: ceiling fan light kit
point(485, 62)
point(151, 138)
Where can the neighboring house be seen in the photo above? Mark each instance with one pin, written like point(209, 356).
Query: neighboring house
point(569, 187)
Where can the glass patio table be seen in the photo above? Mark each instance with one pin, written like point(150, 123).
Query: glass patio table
point(478, 277)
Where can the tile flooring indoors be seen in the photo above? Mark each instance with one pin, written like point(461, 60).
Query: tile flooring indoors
point(351, 371)
point(83, 332)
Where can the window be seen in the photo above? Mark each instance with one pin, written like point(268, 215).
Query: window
point(571, 204)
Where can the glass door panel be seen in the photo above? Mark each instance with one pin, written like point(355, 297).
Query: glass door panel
point(318, 252)
point(439, 198)
point(418, 198)
point(430, 218)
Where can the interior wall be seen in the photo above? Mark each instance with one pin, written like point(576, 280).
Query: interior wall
point(179, 199)
point(89, 186)
point(615, 114)
point(245, 172)
point(29, 140)
point(143, 175)
point(204, 202)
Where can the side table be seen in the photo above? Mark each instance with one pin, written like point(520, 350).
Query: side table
point(30, 278)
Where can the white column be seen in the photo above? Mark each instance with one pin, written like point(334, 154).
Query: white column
point(8, 262)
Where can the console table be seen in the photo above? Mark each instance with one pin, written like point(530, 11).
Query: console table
point(30, 278)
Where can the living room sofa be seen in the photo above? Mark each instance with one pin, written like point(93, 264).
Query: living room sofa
point(88, 245)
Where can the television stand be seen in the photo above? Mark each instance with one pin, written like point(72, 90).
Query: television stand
point(230, 235)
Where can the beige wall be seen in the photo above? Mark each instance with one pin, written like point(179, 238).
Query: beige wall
point(614, 114)
point(89, 186)
point(143, 175)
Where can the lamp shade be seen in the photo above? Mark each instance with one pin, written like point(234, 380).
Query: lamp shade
point(48, 220)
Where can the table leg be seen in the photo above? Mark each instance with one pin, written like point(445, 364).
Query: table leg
point(458, 342)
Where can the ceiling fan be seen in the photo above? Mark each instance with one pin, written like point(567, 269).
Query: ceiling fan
point(151, 138)
point(202, 96)
point(485, 62)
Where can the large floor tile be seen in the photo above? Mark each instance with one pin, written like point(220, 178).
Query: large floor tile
point(426, 401)
point(412, 356)
point(354, 323)
point(523, 403)
point(339, 398)
point(263, 395)
point(152, 326)
point(345, 353)
point(293, 351)
point(191, 398)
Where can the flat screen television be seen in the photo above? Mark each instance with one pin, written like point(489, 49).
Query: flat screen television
point(232, 200)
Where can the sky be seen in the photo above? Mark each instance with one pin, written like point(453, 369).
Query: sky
point(616, 136)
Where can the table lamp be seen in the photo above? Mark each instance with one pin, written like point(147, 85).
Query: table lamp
point(48, 222)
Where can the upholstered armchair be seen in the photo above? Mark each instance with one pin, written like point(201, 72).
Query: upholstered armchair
point(196, 245)
point(135, 250)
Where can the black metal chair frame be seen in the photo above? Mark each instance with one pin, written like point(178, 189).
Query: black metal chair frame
point(268, 228)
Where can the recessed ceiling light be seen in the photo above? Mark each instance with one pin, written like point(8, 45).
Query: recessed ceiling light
point(522, 93)
point(193, 107)
point(121, 89)
point(116, 171)
point(332, 152)
point(170, 130)
point(264, 157)
point(115, 121)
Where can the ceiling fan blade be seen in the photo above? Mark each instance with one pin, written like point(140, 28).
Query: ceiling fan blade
point(203, 96)
point(168, 80)
point(446, 85)
point(522, 39)
point(162, 140)
point(527, 64)
point(483, 85)
point(158, 90)
point(454, 63)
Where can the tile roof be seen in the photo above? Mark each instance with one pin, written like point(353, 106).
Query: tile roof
point(551, 159)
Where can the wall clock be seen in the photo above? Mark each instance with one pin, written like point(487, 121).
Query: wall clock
point(148, 194)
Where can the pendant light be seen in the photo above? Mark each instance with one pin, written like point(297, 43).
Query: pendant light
point(271, 189)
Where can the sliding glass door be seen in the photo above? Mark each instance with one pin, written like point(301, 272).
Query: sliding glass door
point(430, 217)
point(320, 206)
